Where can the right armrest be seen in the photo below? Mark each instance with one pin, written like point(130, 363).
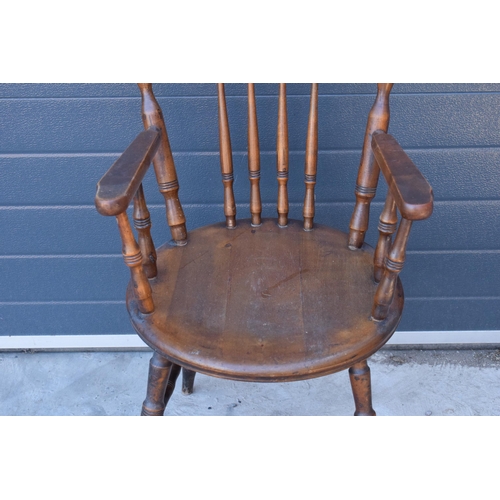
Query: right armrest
point(119, 184)
point(412, 193)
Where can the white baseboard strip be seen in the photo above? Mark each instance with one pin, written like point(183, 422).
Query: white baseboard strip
point(133, 342)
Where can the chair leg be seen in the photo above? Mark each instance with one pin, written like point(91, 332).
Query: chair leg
point(159, 372)
point(172, 378)
point(361, 388)
point(187, 381)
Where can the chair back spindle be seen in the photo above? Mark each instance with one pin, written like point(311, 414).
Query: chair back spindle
point(226, 160)
point(311, 159)
point(254, 158)
point(282, 158)
point(133, 259)
point(387, 227)
point(142, 223)
point(164, 165)
point(368, 174)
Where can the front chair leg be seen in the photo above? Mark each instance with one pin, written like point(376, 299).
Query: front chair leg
point(159, 371)
point(187, 381)
point(359, 374)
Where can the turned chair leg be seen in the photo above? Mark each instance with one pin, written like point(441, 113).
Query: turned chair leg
point(359, 374)
point(161, 383)
point(187, 381)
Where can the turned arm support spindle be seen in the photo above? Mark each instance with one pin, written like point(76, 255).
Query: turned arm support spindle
point(368, 174)
point(254, 158)
point(311, 159)
point(387, 227)
point(114, 194)
point(412, 194)
point(282, 158)
point(142, 223)
point(164, 165)
point(226, 159)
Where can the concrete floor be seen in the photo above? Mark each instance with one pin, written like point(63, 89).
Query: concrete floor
point(404, 382)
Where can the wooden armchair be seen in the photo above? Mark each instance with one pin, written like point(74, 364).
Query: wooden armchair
point(257, 299)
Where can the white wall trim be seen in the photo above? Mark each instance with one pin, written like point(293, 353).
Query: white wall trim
point(133, 342)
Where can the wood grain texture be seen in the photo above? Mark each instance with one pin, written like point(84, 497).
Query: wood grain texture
point(142, 224)
point(254, 158)
point(410, 189)
point(387, 227)
point(282, 158)
point(265, 304)
point(311, 159)
point(359, 375)
point(368, 174)
point(164, 165)
point(393, 265)
point(119, 184)
point(226, 159)
point(133, 259)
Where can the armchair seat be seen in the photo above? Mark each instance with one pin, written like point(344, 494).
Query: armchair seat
point(264, 303)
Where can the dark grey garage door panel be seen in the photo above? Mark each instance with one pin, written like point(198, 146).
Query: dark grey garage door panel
point(60, 261)
point(77, 230)
point(109, 124)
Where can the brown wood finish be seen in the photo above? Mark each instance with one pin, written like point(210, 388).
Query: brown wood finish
point(410, 189)
point(366, 184)
point(393, 265)
point(164, 165)
point(282, 158)
point(187, 381)
point(269, 304)
point(271, 300)
point(359, 374)
point(119, 184)
point(226, 160)
point(311, 159)
point(387, 227)
point(133, 258)
point(159, 371)
point(254, 158)
point(142, 224)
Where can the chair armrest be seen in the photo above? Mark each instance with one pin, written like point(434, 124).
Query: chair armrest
point(411, 191)
point(117, 187)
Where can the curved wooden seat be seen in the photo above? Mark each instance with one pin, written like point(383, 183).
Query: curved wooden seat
point(264, 303)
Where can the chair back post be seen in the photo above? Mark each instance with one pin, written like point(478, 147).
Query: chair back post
point(368, 174)
point(282, 158)
point(311, 159)
point(164, 165)
point(254, 158)
point(226, 159)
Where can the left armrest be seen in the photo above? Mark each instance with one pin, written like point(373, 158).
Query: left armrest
point(119, 184)
point(412, 193)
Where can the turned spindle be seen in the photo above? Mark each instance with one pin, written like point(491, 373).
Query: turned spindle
point(311, 159)
point(368, 174)
point(359, 375)
point(393, 265)
point(387, 227)
point(226, 160)
point(254, 158)
point(142, 222)
point(164, 165)
point(133, 259)
point(282, 158)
